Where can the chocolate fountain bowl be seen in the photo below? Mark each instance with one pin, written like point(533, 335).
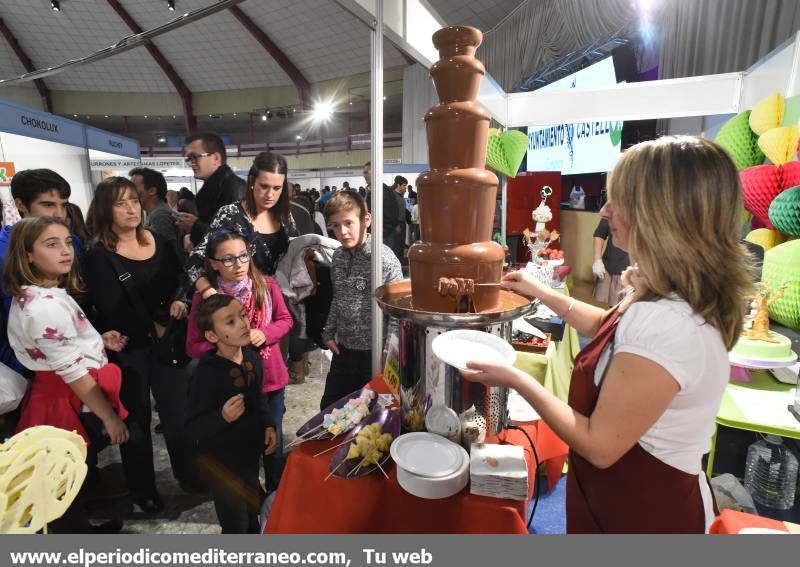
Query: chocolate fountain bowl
point(427, 382)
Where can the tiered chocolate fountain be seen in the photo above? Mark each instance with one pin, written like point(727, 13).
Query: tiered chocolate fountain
point(456, 269)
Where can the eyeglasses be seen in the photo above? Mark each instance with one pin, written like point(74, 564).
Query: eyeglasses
point(229, 261)
point(194, 157)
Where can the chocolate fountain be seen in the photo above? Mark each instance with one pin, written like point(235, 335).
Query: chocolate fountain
point(456, 268)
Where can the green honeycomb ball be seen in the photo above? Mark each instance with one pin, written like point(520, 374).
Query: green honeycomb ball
point(784, 211)
point(740, 141)
point(504, 151)
point(782, 265)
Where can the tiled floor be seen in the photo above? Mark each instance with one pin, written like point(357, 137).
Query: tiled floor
point(191, 513)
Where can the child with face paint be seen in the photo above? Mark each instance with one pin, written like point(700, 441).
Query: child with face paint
point(229, 413)
point(231, 271)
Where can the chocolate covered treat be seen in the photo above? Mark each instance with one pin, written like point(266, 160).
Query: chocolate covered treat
point(457, 196)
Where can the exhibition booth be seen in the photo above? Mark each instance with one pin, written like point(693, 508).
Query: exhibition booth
point(33, 139)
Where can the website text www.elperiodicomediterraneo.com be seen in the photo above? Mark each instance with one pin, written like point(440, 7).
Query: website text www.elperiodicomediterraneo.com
point(213, 556)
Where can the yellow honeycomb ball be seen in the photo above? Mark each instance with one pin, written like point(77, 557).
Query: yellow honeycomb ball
point(765, 237)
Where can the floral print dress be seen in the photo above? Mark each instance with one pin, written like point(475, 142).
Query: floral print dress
point(51, 335)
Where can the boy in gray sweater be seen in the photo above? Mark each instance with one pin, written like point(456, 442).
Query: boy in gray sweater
point(348, 330)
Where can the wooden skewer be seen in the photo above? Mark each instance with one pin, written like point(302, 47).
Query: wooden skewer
point(358, 466)
point(334, 470)
point(332, 448)
point(304, 436)
point(383, 471)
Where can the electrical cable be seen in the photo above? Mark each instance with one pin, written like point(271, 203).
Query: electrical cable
point(536, 474)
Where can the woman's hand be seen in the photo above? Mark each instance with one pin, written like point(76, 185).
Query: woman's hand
point(491, 373)
point(116, 429)
point(209, 292)
point(523, 284)
point(113, 340)
point(177, 310)
point(257, 337)
point(332, 346)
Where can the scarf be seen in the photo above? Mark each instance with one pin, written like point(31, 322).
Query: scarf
point(243, 291)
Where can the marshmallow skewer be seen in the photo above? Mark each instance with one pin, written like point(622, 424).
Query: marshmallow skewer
point(332, 448)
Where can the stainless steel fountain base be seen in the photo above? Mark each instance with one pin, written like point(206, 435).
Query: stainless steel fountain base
point(425, 381)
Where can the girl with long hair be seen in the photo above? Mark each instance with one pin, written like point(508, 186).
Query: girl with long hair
point(74, 385)
point(231, 271)
point(645, 391)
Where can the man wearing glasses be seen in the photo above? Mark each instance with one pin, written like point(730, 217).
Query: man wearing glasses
point(205, 154)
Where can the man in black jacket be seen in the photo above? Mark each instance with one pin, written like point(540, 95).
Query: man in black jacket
point(205, 154)
point(391, 213)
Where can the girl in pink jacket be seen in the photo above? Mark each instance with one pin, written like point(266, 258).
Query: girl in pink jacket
point(230, 270)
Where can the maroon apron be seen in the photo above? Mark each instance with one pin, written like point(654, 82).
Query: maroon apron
point(637, 494)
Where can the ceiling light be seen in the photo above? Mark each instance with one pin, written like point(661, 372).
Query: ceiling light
point(235, 113)
point(263, 117)
point(171, 5)
point(174, 116)
point(298, 137)
point(106, 115)
point(322, 112)
point(384, 98)
point(162, 140)
point(294, 110)
point(55, 6)
point(145, 115)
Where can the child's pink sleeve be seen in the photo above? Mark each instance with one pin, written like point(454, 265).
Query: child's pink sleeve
point(196, 343)
point(281, 318)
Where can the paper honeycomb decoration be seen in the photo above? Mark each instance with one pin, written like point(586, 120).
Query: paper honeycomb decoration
point(767, 114)
point(740, 141)
point(784, 212)
point(762, 183)
point(779, 144)
point(504, 151)
point(41, 471)
point(782, 266)
point(765, 237)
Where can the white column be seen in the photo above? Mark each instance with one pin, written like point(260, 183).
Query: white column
point(376, 121)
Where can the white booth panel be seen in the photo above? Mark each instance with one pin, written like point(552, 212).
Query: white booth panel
point(68, 161)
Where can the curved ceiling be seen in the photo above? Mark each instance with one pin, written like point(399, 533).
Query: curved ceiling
point(319, 37)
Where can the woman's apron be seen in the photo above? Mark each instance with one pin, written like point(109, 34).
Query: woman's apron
point(637, 494)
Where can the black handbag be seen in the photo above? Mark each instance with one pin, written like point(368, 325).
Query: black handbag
point(170, 348)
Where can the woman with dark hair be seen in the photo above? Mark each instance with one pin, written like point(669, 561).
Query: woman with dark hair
point(263, 216)
point(134, 286)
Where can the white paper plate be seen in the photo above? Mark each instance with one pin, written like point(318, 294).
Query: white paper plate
point(433, 488)
point(426, 455)
point(458, 347)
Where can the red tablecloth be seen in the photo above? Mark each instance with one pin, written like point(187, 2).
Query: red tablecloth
point(733, 522)
point(306, 503)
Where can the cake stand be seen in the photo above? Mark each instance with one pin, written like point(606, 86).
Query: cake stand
point(741, 367)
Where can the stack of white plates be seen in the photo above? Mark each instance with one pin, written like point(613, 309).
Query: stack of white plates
point(499, 471)
point(430, 466)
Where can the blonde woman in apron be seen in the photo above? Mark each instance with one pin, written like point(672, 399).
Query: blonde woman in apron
point(645, 391)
